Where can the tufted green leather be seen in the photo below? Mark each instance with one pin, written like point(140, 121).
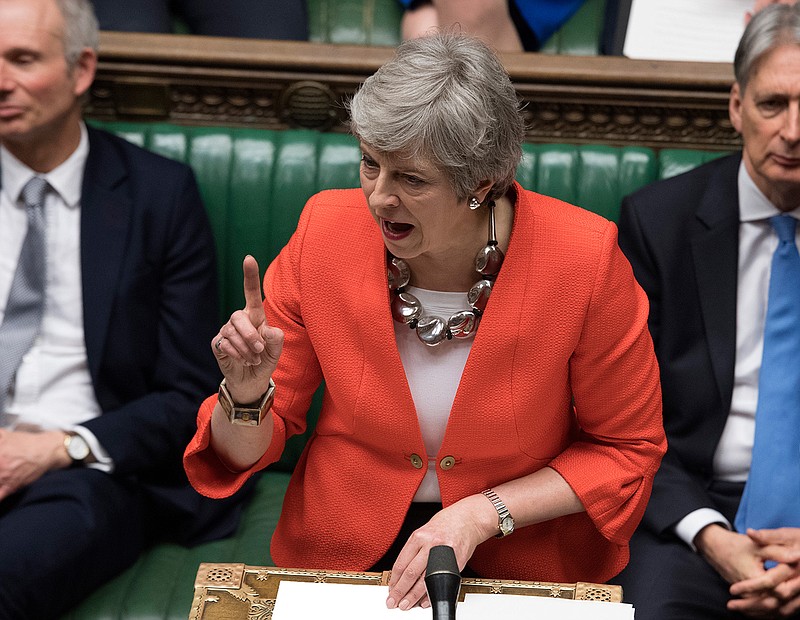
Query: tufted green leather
point(595, 177)
point(362, 22)
point(581, 34)
point(254, 183)
point(377, 22)
point(672, 162)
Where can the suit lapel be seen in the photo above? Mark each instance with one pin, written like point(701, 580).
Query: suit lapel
point(375, 328)
point(105, 218)
point(498, 327)
point(715, 252)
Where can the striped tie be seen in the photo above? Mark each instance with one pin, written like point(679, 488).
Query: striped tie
point(25, 305)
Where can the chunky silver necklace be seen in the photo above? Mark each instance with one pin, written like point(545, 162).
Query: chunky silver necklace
point(408, 310)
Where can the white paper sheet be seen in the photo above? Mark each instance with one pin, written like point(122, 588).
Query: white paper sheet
point(333, 601)
point(518, 607)
point(702, 30)
point(298, 600)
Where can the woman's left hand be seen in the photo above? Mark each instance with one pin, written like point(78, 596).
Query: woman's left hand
point(462, 526)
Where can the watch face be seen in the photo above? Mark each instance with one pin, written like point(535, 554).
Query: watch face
point(77, 448)
point(507, 526)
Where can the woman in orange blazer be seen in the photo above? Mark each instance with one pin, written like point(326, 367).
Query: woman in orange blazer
point(522, 429)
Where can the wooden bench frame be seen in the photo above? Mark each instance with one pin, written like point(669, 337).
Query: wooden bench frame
point(288, 84)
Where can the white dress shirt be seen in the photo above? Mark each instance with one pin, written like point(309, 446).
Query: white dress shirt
point(433, 375)
point(757, 243)
point(52, 387)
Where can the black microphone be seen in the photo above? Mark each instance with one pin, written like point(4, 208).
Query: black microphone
point(443, 582)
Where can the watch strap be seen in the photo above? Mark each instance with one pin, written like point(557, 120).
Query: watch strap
point(246, 415)
point(505, 522)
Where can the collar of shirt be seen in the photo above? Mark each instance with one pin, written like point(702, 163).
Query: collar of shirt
point(66, 179)
point(753, 204)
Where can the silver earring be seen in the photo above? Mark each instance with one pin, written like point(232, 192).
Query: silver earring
point(474, 203)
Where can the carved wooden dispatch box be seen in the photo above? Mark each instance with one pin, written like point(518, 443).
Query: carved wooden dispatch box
point(241, 592)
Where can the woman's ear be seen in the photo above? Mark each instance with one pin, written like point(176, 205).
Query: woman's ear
point(483, 190)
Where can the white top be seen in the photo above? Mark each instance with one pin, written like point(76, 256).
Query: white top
point(52, 388)
point(433, 375)
point(757, 243)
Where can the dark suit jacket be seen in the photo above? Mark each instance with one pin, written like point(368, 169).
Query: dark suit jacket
point(150, 305)
point(681, 236)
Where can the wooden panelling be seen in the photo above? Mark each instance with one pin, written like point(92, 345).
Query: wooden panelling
point(288, 84)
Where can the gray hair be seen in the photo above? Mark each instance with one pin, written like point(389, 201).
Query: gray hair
point(447, 99)
point(80, 28)
point(772, 26)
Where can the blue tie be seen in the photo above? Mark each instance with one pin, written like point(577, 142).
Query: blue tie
point(772, 494)
point(25, 305)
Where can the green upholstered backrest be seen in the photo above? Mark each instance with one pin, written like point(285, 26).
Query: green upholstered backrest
point(255, 182)
point(597, 177)
point(362, 22)
point(672, 162)
point(377, 22)
point(581, 34)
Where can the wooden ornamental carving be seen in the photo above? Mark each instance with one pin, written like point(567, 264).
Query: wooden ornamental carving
point(289, 84)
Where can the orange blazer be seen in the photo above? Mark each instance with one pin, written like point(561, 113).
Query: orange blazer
point(561, 374)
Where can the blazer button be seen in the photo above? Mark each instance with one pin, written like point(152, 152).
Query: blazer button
point(416, 461)
point(447, 463)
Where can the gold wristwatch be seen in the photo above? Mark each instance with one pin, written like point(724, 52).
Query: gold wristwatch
point(246, 415)
point(505, 522)
point(78, 450)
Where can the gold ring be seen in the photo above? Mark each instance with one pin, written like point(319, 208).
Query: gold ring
point(217, 343)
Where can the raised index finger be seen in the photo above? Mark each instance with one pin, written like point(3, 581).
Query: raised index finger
point(253, 304)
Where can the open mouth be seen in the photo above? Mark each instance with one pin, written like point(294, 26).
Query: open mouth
point(396, 230)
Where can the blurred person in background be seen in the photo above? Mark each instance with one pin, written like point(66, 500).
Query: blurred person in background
point(506, 25)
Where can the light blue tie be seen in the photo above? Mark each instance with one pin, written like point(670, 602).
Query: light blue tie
point(772, 494)
point(25, 305)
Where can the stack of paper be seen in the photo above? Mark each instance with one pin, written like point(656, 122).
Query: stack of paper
point(518, 607)
point(332, 601)
point(703, 30)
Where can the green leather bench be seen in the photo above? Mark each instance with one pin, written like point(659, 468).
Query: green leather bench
point(255, 183)
point(377, 22)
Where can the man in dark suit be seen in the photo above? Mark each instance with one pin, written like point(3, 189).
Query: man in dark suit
point(95, 415)
point(701, 246)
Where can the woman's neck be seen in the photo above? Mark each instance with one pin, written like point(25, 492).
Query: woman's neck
point(455, 269)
